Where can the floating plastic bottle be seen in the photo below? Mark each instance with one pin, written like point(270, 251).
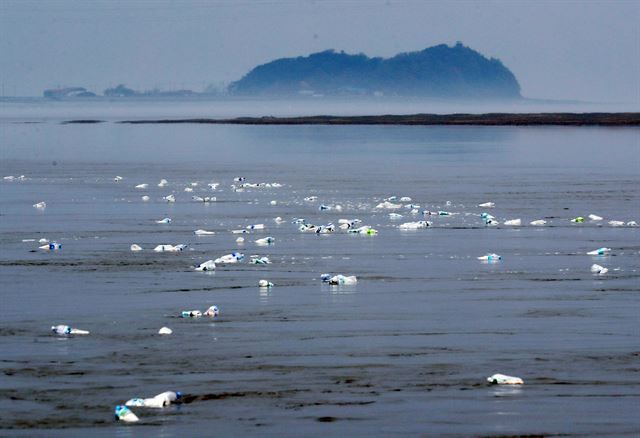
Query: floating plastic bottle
point(142, 186)
point(394, 216)
point(159, 401)
point(616, 223)
point(265, 283)
point(311, 198)
point(597, 269)
point(366, 229)
point(240, 240)
point(188, 189)
point(503, 379)
point(600, 251)
point(444, 213)
point(255, 227)
point(265, 241)
point(278, 220)
point(209, 265)
point(40, 205)
point(491, 257)
point(169, 397)
point(52, 246)
point(135, 247)
point(325, 278)
point(191, 314)
point(513, 222)
point(144, 403)
point(260, 261)
point(166, 220)
point(414, 225)
point(339, 280)
point(67, 330)
point(169, 198)
point(538, 223)
point(165, 331)
point(405, 199)
point(204, 199)
point(324, 229)
point(595, 217)
point(386, 205)
point(490, 222)
point(487, 205)
point(234, 257)
point(123, 413)
point(118, 178)
point(578, 220)
point(203, 233)
point(162, 183)
point(145, 198)
point(212, 311)
point(170, 248)
point(632, 224)
point(324, 207)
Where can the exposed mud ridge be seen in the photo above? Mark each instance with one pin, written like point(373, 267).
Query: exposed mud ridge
point(489, 119)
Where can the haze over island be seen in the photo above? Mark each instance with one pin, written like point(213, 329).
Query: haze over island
point(558, 50)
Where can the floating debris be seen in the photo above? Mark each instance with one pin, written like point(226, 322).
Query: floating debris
point(600, 251)
point(503, 379)
point(599, 270)
point(203, 233)
point(123, 413)
point(513, 222)
point(67, 330)
point(209, 265)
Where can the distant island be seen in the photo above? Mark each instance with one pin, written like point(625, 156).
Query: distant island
point(440, 71)
point(116, 92)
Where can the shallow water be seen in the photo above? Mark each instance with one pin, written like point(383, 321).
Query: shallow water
point(406, 350)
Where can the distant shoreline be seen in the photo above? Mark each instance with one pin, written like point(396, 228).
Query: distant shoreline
point(489, 119)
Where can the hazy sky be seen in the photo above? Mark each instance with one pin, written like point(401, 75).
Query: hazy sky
point(585, 50)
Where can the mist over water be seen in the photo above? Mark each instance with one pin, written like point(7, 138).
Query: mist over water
point(406, 350)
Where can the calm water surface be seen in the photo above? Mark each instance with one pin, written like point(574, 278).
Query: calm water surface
point(407, 350)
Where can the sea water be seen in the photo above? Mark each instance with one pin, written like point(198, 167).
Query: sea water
point(406, 350)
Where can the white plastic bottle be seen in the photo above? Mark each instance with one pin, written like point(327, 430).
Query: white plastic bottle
point(168, 397)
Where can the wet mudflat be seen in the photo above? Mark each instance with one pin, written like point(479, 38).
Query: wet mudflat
point(405, 350)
